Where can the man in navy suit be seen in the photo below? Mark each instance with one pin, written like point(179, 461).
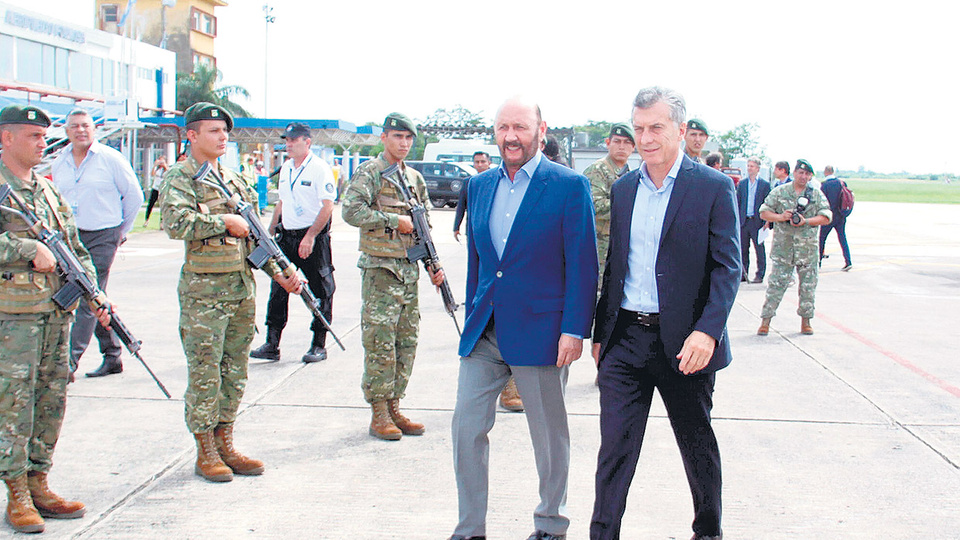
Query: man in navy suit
point(668, 287)
point(531, 287)
point(750, 195)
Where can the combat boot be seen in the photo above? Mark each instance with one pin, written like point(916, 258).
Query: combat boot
point(764, 327)
point(21, 514)
point(381, 425)
point(209, 465)
point(805, 327)
point(317, 351)
point(510, 397)
point(239, 463)
point(407, 426)
point(48, 503)
point(271, 349)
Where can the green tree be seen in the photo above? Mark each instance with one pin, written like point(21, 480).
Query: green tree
point(741, 141)
point(458, 116)
point(201, 85)
point(598, 131)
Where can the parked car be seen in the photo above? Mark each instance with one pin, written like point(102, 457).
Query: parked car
point(733, 173)
point(444, 180)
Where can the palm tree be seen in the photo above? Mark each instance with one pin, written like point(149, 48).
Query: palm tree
point(200, 86)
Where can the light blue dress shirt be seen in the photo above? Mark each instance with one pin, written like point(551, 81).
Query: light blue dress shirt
point(646, 226)
point(751, 195)
point(507, 199)
point(103, 191)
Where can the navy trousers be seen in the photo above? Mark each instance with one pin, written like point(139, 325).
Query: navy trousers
point(633, 366)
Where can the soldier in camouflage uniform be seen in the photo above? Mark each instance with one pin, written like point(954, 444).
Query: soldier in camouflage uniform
point(602, 174)
point(695, 138)
point(217, 293)
point(390, 315)
point(35, 336)
point(795, 244)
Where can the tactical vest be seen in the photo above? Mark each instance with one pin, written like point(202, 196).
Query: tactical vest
point(219, 254)
point(22, 289)
point(385, 242)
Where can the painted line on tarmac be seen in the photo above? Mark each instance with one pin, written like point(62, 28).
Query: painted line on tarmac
point(944, 385)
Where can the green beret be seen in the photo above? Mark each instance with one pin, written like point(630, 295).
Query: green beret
point(24, 115)
point(207, 111)
point(695, 123)
point(622, 129)
point(804, 165)
point(399, 122)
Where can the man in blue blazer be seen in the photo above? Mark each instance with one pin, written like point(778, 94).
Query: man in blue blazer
point(751, 192)
point(531, 286)
point(670, 281)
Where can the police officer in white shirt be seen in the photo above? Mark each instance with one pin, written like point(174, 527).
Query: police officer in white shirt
point(301, 221)
point(105, 196)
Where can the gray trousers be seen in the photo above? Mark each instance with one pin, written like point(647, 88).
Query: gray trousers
point(482, 377)
point(102, 246)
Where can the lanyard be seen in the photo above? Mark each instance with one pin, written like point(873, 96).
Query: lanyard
point(299, 172)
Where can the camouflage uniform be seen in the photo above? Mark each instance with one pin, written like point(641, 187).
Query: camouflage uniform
point(217, 294)
point(794, 247)
point(602, 174)
point(34, 355)
point(390, 315)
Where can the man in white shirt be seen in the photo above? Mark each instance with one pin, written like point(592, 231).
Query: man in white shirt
point(302, 220)
point(105, 196)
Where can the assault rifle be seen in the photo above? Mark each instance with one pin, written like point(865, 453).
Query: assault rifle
point(267, 247)
point(423, 248)
point(76, 282)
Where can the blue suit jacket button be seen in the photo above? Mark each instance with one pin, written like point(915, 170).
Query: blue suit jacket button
point(499, 274)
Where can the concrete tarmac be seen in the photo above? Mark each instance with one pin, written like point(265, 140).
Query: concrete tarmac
point(851, 433)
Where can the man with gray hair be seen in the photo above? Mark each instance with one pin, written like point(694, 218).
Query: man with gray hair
point(750, 195)
point(105, 196)
point(668, 288)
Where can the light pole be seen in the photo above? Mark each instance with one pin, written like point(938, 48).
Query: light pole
point(267, 10)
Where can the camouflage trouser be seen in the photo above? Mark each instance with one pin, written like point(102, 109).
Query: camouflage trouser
point(389, 320)
point(34, 367)
point(603, 244)
point(779, 280)
point(216, 338)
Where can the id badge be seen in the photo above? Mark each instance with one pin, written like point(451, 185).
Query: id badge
point(75, 209)
point(297, 209)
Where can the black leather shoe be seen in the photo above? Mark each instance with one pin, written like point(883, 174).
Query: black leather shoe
point(267, 351)
point(458, 537)
point(540, 535)
point(108, 367)
point(315, 354)
point(271, 349)
point(757, 280)
point(704, 537)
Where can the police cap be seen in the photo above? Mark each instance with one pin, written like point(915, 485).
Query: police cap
point(296, 130)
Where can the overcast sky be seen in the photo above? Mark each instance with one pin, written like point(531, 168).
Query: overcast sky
point(851, 83)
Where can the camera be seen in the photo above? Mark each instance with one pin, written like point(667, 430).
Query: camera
point(797, 216)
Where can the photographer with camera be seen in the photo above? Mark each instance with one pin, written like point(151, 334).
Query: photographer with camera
point(797, 211)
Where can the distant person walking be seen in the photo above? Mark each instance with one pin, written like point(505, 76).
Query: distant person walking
point(159, 169)
point(831, 188)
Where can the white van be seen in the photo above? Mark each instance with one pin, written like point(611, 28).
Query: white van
point(459, 150)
